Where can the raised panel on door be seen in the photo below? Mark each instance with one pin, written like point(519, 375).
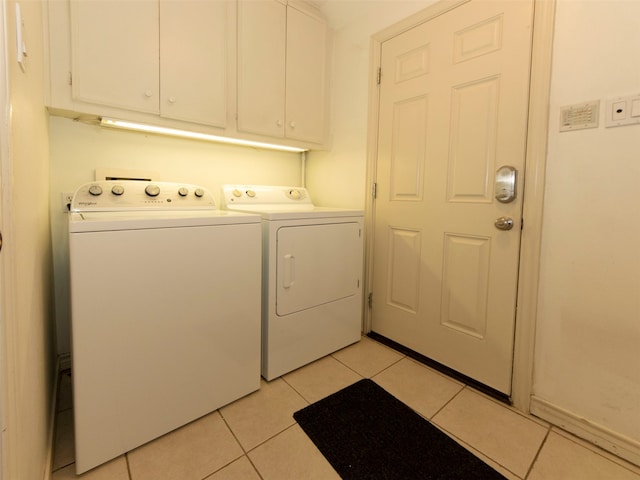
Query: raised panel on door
point(261, 67)
point(317, 264)
point(305, 77)
point(453, 109)
point(193, 60)
point(114, 50)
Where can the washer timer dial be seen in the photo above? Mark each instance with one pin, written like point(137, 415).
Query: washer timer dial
point(152, 190)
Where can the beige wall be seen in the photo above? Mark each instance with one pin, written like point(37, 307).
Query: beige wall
point(588, 329)
point(27, 301)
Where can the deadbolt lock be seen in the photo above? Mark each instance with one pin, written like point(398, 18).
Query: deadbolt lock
point(506, 179)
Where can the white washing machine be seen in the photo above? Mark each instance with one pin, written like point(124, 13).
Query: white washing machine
point(165, 307)
point(312, 274)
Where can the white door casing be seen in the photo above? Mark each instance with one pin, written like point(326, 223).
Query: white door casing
point(453, 109)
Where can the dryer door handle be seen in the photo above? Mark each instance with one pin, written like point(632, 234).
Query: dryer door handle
point(289, 271)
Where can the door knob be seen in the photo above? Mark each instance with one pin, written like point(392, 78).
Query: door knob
point(504, 223)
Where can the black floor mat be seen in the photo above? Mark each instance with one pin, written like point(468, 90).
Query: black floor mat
point(366, 433)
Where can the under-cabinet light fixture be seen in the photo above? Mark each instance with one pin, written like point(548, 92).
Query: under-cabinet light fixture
point(174, 132)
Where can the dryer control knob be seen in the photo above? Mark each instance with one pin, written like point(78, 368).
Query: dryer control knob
point(117, 190)
point(237, 193)
point(152, 190)
point(199, 192)
point(183, 191)
point(251, 193)
point(95, 190)
point(295, 194)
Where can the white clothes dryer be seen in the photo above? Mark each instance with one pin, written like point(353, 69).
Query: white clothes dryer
point(312, 274)
point(165, 307)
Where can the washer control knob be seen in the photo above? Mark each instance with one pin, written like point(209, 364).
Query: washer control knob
point(295, 194)
point(237, 193)
point(117, 190)
point(251, 193)
point(183, 191)
point(199, 192)
point(95, 190)
point(152, 190)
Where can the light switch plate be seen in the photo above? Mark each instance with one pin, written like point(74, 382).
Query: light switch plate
point(622, 111)
point(579, 116)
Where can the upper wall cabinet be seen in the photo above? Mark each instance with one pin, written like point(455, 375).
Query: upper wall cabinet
point(114, 54)
point(193, 60)
point(252, 69)
point(160, 57)
point(282, 52)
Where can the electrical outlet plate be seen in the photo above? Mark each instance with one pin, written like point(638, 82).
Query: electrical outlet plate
point(66, 198)
point(622, 111)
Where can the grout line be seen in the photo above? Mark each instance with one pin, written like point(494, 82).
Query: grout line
point(445, 404)
point(126, 461)
point(232, 432)
point(537, 455)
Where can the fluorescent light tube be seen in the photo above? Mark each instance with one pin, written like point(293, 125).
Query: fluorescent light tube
point(174, 132)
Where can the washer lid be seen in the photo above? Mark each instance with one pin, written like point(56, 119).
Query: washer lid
point(139, 220)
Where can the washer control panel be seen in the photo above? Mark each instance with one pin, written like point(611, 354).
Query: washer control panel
point(245, 195)
point(114, 195)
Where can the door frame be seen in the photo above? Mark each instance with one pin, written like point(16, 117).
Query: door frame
point(534, 179)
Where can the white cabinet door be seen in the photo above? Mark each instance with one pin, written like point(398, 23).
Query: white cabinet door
point(261, 67)
point(281, 71)
point(193, 61)
point(114, 49)
point(305, 78)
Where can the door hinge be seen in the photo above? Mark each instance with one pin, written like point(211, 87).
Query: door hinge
point(379, 79)
point(370, 299)
point(374, 190)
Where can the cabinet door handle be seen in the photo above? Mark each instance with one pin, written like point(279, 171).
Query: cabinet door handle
point(292, 124)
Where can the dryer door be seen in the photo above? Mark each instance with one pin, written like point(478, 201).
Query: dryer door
point(317, 264)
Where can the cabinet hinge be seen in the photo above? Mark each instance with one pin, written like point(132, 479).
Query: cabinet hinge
point(370, 299)
point(374, 190)
point(70, 79)
point(379, 79)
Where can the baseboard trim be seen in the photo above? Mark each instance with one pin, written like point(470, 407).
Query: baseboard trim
point(620, 445)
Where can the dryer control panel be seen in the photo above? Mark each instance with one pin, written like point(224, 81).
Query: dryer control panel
point(115, 195)
point(246, 195)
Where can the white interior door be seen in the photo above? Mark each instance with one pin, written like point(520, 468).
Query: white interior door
point(453, 110)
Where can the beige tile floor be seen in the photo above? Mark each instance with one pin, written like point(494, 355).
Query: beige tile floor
point(257, 438)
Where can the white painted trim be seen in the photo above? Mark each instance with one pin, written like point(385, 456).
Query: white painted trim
point(533, 204)
point(4, 159)
point(621, 446)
